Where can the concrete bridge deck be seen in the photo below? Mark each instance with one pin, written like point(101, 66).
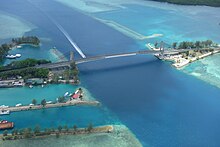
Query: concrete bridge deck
point(109, 56)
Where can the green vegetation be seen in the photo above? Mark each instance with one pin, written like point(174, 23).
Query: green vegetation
point(61, 99)
point(25, 73)
point(61, 130)
point(43, 102)
point(23, 64)
point(26, 40)
point(193, 45)
point(214, 3)
point(4, 48)
point(67, 75)
point(90, 127)
point(34, 101)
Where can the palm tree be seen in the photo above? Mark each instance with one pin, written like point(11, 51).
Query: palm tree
point(5, 133)
point(13, 132)
point(43, 102)
point(90, 127)
point(174, 45)
point(37, 129)
point(66, 128)
point(75, 128)
point(34, 101)
point(59, 128)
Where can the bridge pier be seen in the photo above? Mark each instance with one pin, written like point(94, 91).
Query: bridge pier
point(161, 50)
point(71, 56)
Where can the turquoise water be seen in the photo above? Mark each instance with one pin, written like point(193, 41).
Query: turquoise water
point(161, 106)
point(25, 95)
point(151, 20)
point(206, 69)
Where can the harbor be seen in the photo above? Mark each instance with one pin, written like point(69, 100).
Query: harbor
point(69, 99)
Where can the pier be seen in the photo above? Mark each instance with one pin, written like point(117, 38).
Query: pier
point(55, 105)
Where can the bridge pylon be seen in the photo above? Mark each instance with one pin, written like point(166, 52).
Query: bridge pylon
point(162, 49)
point(71, 56)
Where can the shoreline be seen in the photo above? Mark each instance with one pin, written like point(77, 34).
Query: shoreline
point(29, 44)
point(184, 3)
point(55, 105)
point(57, 133)
point(184, 62)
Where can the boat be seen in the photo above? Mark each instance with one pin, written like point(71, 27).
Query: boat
point(4, 124)
point(31, 104)
point(66, 93)
point(49, 102)
point(76, 91)
point(18, 46)
point(18, 105)
point(11, 56)
point(3, 106)
point(30, 86)
point(4, 112)
point(17, 55)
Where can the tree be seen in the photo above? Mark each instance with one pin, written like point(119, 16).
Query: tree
point(75, 128)
point(27, 133)
point(13, 132)
point(61, 99)
point(5, 133)
point(66, 128)
point(72, 65)
point(59, 128)
point(34, 101)
point(90, 127)
point(43, 102)
point(37, 129)
point(75, 72)
point(21, 131)
point(197, 44)
point(156, 45)
point(174, 45)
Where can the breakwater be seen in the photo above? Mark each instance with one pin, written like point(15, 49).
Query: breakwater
point(54, 105)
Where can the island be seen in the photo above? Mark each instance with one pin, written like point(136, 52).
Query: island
point(187, 52)
point(25, 72)
point(214, 3)
point(15, 42)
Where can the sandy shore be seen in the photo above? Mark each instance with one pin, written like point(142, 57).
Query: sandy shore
point(181, 62)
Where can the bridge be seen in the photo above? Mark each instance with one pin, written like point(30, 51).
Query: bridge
point(160, 52)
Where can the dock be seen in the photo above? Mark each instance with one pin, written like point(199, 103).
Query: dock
point(55, 105)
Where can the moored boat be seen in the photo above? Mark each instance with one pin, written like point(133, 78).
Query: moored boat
point(11, 56)
point(4, 112)
point(3, 106)
point(4, 124)
point(17, 55)
point(18, 105)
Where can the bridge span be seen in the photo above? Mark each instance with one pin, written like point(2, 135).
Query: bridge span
point(109, 56)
